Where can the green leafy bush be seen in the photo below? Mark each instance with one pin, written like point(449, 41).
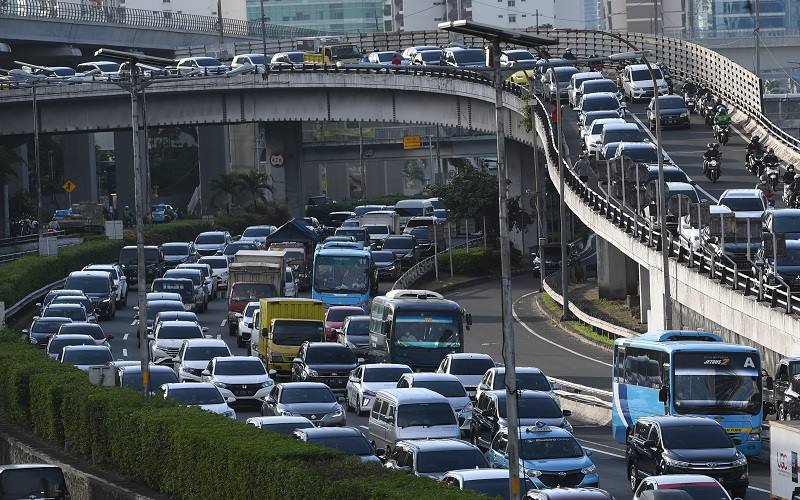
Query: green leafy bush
point(477, 262)
point(183, 452)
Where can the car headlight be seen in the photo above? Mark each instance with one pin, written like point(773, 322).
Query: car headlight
point(311, 372)
point(229, 413)
point(468, 407)
point(365, 401)
point(567, 426)
point(740, 462)
point(533, 473)
point(685, 114)
point(589, 470)
point(106, 301)
point(755, 436)
point(675, 463)
point(336, 414)
point(220, 385)
point(268, 383)
point(33, 341)
point(390, 268)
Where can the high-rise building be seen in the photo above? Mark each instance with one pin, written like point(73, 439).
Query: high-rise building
point(342, 16)
point(739, 15)
point(232, 9)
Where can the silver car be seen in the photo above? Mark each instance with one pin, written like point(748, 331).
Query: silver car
point(313, 400)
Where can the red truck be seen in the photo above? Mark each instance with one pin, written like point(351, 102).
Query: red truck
point(252, 276)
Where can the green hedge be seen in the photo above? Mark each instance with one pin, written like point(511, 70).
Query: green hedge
point(183, 452)
point(477, 261)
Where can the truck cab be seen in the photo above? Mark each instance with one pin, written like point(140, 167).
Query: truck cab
point(285, 323)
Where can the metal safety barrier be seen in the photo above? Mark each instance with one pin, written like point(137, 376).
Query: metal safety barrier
point(426, 266)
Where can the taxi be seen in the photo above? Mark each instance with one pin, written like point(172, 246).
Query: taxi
point(549, 456)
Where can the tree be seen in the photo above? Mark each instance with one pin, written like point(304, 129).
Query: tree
point(471, 195)
point(227, 184)
point(255, 183)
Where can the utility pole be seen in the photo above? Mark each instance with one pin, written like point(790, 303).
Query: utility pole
point(757, 37)
point(37, 160)
point(264, 37)
point(562, 211)
point(505, 282)
point(362, 167)
point(221, 28)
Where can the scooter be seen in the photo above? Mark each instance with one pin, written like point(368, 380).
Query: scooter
point(709, 111)
point(722, 133)
point(772, 171)
point(691, 101)
point(712, 169)
point(753, 162)
point(790, 198)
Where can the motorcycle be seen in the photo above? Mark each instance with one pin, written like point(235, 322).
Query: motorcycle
point(709, 111)
point(753, 162)
point(791, 198)
point(722, 133)
point(691, 101)
point(772, 171)
point(712, 169)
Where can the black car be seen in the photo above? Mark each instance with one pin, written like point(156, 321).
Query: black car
point(97, 286)
point(685, 445)
point(387, 264)
point(424, 240)
point(326, 362)
point(673, 112)
point(404, 247)
point(153, 260)
point(231, 248)
point(179, 253)
point(786, 267)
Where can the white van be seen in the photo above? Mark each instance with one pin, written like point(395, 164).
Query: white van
point(415, 413)
point(407, 209)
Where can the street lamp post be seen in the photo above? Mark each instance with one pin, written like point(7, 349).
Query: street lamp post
point(264, 37)
point(495, 36)
point(37, 160)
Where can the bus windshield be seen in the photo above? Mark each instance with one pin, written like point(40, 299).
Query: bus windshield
point(426, 330)
point(341, 274)
point(716, 383)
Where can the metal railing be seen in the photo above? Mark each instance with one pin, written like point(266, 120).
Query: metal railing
point(175, 21)
point(426, 265)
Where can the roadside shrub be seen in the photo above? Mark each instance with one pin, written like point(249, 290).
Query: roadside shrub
point(267, 214)
point(183, 452)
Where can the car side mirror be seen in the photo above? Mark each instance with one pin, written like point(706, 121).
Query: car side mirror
point(109, 337)
point(272, 372)
point(650, 443)
point(380, 452)
point(206, 373)
point(151, 337)
point(469, 319)
point(769, 383)
point(360, 361)
point(296, 361)
point(483, 387)
point(136, 308)
point(340, 399)
point(663, 394)
point(588, 453)
point(567, 413)
point(204, 329)
point(25, 331)
point(38, 304)
point(230, 399)
point(556, 387)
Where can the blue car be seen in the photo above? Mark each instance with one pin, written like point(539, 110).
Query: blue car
point(549, 456)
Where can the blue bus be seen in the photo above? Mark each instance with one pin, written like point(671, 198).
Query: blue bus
point(344, 277)
point(688, 373)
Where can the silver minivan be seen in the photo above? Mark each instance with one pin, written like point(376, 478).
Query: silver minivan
point(416, 413)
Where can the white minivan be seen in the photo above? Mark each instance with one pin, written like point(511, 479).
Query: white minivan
point(407, 209)
point(417, 413)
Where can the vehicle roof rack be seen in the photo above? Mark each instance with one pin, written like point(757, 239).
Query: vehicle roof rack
point(413, 294)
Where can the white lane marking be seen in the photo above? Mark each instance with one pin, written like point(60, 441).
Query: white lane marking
point(219, 336)
point(615, 455)
point(124, 353)
point(615, 448)
point(125, 337)
point(363, 427)
point(490, 343)
point(133, 323)
point(514, 313)
point(653, 138)
point(762, 490)
point(224, 321)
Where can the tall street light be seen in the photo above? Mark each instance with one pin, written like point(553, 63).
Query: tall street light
point(496, 36)
point(637, 53)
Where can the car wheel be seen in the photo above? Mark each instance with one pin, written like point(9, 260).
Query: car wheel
point(113, 311)
point(231, 330)
point(740, 492)
point(633, 476)
point(239, 341)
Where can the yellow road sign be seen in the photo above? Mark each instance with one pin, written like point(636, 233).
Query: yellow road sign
point(69, 186)
point(412, 142)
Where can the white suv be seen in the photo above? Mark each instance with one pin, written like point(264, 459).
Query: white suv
point(195, 355)
point(168, 337)
point(240, 377)
point(637, 83)
point(592, 137)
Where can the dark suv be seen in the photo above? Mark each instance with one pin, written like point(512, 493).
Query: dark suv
point(97, 286)
point(685, 445)
point(405, 248)
point(326, 362)
point(153, 261)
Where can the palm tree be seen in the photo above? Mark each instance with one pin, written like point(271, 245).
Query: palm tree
point(228, 184)
point(255, 183)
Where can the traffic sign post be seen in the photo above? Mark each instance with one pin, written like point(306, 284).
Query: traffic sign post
point(412, 142)
point(69, 187)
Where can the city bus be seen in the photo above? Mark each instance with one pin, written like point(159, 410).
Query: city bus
point(344, 277)
point(688, 373)
point(415, 327)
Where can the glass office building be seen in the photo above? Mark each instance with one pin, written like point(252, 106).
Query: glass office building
point(739, 15)
point(343, 16)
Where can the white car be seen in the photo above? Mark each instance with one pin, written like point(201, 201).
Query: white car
point(201, 66)
point(367, 380)
point(257, 60)
point(211, 281)
point(575, 83)
point(600, 101)
point(211, 242)
point(745, 203)
point(528, 378)
point(107, 69)
point(693, 484)
point(245, 325)
point(469, 367)
point(592, 137)
point(284, 424)
point(219, 269)
point(168, 337)
point(637, 83)
point(117, 277)
point(243, 378)
point(448, 386)
point(257, 234)
point(206, 396)
point(290, 285)
point(194, 356)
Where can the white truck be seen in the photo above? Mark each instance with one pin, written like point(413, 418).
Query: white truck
point(381, 217)
point(784, 464)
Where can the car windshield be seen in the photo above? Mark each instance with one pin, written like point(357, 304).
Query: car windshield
point(696, 490)
point(466, 366)
point(358, 327)
point(232, 248)
point(431, 55)
point(382, 257)
point(87, 356)
point(377, 229)
point(445, 460)
point(398, 243)
point(89, 284)
point(353, 445)
point(532, 407)
point(257, 232)
point(210, 239)
point(384, 374)
point(709, 383)
point(338, 315)
point(592, 86)
point(296, 332)
point(641, 154)
point(621, 136)
point(73, 313)
point(447, 388)
point(785, 224)
point(564, 76)
point(239, 367)
point(292, 395)
point(295, 57)
point(207, 61)
point(175, 249)
point(250, 309)
point(409, 211)
point(44, 482)
point(358, 234)
point(196, 396)
point(525, 381)
point(494, 488)
point(133, 379)
point(334, 354)
point(252, 291)
point(749, 204)
point(549, 448)
point(425, 415)
point(205, 353)
point(154, 309)
point(593, 116)
point(257, 58)
point(597, 127)
point(672, 175)
point(107, 67)
point(45, 326)
point(342, 274)
point(695, 437)
point(644, 75)
point(179, 332)
point(215, 262)
point(345, 51)
point(519, 55)
point(167, 285)
point(594, 102)
point(127, 255)
point(421, 233)
point(470, 56)
point(671, 102)
point(386, 56)
point(92, 330)
point(426, 330)
point(58, 342)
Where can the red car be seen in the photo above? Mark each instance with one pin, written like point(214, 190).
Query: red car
point(334, 320)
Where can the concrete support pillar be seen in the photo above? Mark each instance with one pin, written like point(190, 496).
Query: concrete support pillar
point(213, 152)
point(290, 181)
point(656, 319)
point(617, 275)
point(22, 181)
point(521, 175)
point(644, 294)
point(123, 153)
point(243, 145)
point(80, 165)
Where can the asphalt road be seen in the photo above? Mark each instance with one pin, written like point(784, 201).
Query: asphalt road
point(538, 343)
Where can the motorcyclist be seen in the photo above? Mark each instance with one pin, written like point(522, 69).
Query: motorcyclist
point(754, 146)
point(568, 54)
point(712, 153)
point(764, 186)
point(788, 177)
point(722, 118)
point(771, 159)
point(689, 88)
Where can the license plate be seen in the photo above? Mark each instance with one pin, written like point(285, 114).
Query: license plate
point(737, 430)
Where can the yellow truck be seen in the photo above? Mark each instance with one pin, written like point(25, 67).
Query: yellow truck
point(335, 54)
point(285, 324)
